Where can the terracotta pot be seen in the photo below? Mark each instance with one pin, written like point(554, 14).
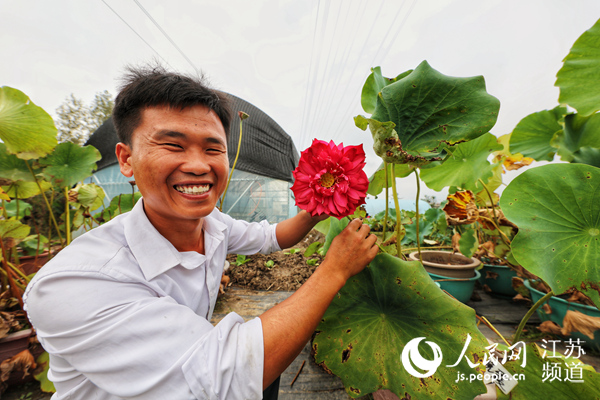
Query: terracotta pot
point(32, 264)
point(445, 263)
point(12, 345)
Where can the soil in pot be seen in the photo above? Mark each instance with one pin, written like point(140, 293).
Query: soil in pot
point(447, 264)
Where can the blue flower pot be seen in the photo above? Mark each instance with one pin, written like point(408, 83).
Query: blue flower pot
point(499, 279)
point(460, 288)
point(559, 310)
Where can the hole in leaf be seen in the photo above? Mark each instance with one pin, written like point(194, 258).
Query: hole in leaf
point(346, 353)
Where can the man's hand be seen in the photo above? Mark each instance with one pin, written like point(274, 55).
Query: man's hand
point(351, 251)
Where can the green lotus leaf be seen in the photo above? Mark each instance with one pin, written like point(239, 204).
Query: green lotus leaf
point(494, 182)
point(468, 242)
point(26, 129)
point(373, 85)
point(45, 383)
point(25, 190)
point(579, 138)
point(533, 134)
point(391, 302)
point(119, 204)
point(425, 229)
point(70, 163)
point(429, 111)
point(12, 232)
point(465, 166)
point(539, 383)
point(587, 155)
point(557, 210)
point(23, 209)
point(90, 196)
point(377, 181)
point(335, 227)
point(579, 77)
point(12, 167)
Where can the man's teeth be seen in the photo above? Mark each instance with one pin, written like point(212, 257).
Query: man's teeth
point(197, 189)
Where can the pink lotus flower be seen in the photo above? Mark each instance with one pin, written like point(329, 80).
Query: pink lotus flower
point(329, 179)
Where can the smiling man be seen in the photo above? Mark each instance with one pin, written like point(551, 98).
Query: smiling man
point(124, 310)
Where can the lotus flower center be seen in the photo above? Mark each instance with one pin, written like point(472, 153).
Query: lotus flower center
point(327, 180)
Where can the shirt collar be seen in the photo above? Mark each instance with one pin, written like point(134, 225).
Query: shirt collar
point(155, 254)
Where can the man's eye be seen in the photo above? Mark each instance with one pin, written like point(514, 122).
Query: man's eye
point(173, 145)
point(216, 151)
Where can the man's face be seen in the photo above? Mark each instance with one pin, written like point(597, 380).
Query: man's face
point(179, 159)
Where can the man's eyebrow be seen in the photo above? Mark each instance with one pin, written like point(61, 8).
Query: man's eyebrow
point(214, 140)
point(165, 133)
point(169, 134)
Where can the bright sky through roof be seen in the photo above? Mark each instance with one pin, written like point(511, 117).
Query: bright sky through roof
point(302, 62)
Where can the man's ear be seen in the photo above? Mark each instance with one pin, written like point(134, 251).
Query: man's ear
point(123, 152)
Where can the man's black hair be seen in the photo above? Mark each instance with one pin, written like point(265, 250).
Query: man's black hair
point(152, 86)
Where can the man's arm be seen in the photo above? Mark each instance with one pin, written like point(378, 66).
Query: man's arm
point(289, 325)
point(293, 230)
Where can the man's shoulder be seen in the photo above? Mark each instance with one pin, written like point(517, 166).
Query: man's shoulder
point(92, 250)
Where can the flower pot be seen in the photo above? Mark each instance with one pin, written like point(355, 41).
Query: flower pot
point(14, 343)
point(559, 310)
point(460, 288)
point(499, 279)
point(10, 346)
point(447, 264)
point(32, 264)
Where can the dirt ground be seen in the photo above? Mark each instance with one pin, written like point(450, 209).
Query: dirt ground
point(288, 271)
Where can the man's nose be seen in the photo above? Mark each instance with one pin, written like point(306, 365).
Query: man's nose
point(195, 163)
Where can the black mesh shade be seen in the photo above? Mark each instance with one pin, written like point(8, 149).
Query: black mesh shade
point(266, 149)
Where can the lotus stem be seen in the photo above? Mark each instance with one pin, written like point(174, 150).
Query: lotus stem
point(387, 207)
point(67, 216)
point(417, 216)
point(12, 285)
point(494, 213)
point(397, 206)
point(529, 314)
point(502, 234)
point(18, 271)
point(47, 202)
point(408, 250)
point(242, 116)
point(489, 325)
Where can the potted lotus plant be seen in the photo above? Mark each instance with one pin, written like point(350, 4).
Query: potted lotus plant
point(437, 127)
point(35, 169)
point(556, 206)
point(393, 298)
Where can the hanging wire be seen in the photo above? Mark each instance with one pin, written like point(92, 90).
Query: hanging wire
point(315, 78)
point(326, 81)
point(303, 132)
point(134, 31)
point(396, 34)
point(338, 80)
point(358, 69)
point(166, 36)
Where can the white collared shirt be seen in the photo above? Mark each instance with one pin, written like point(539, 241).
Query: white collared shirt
point(123, 314)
